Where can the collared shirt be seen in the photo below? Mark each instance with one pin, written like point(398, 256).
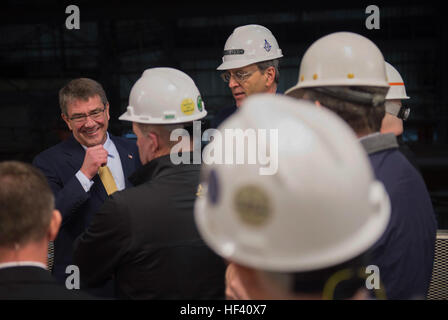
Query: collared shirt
point(22, 264)
point(114, 164)
point(378, 142)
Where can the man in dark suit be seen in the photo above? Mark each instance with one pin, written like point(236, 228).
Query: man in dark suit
point(28, 221)
point(145, 237)
point(84, 169)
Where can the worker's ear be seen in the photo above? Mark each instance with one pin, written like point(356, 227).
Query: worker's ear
point(306, 96)
point(55, 224)
point(269, 73)
point(107, 111)
point(155, 140)
point(65, 118)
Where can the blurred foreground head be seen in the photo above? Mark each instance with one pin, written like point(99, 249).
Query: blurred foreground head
point(27, 214)
point(317, 214)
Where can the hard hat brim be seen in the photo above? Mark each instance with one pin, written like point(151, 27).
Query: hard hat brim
point(147, 120)
point(296, 90)
point(234, 64)
point(367, 235)
point(397, 98)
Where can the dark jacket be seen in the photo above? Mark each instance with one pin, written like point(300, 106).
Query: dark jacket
point(408, 153)
point(222, 115)
point(34, 283)
point(147, 239)
point(405, 252)
point(60, 164)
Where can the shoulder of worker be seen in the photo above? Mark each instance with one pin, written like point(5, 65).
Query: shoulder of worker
point(66, 147)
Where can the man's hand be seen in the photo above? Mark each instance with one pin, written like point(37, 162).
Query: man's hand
point(95, 157)
point(239, 282)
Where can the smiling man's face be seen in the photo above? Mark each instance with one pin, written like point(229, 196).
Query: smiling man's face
point(92, 130)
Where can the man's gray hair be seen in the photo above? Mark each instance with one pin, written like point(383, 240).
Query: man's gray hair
point(80, 89)
point(263, 65)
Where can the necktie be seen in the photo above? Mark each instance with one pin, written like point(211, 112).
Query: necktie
point(107, 179)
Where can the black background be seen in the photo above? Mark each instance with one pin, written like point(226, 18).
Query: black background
point(118, 40)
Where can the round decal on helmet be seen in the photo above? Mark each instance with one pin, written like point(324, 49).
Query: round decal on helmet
point(187, 106)
point(252, 205)
point(200, 103)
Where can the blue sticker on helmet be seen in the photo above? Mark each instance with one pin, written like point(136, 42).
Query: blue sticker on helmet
point(213, 188)
point(267, 46)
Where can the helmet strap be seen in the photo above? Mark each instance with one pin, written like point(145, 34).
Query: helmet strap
point(354, 96)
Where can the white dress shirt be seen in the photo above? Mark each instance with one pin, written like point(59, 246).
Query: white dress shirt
point(114, 164)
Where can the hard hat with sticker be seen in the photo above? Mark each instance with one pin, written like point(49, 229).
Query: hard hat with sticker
point(177, 89)
point(247, 45)
point(187, 106)
point(252, 205)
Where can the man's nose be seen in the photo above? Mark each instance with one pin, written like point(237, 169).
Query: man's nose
point(89, 122)
point(233, 83)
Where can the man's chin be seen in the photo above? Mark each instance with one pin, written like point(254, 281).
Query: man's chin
point(239, 101)
point(92, 141)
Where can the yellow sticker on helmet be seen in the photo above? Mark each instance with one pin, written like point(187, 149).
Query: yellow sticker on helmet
point(187, 106)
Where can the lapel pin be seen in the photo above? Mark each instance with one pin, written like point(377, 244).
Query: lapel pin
point(130, 156)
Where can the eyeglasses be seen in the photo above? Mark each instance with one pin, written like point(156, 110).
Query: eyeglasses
point(95, 115)
point(239, 76)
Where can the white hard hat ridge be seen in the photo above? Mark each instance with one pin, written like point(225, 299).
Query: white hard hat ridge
point(247, 45)
point(341, 59)
point(164, 96)
point(397, 90)
point(322, 207)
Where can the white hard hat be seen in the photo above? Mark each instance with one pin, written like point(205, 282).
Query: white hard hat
point(247, 45)
point(397, 89)
point(164, 96)
point(341, 59)
point(322, 207)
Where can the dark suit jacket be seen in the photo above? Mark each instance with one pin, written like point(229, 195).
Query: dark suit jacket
point(32, 283)
point(405, 252)
point(147, 238)
point(60, 164)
